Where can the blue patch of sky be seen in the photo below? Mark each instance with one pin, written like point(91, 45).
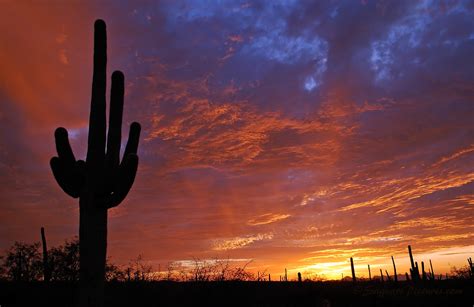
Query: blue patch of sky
point(267, 23)
point(405, 36)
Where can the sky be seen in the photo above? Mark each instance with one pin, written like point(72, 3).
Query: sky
point(295, 134)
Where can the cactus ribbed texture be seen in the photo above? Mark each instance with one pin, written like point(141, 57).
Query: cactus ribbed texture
point(46, 268)
point(102, 181)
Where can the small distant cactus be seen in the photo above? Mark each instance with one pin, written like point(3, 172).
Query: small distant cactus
point(46, 265)
point(353, 271)
point(423, 271)
point(471, 266)
point(432, 271)
point(370, 275)
point(299, 277)
point(414, 272)
point(102, 181)
point(395, 277)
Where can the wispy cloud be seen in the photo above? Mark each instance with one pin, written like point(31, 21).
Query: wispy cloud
point(267, 218)
point(239, 242)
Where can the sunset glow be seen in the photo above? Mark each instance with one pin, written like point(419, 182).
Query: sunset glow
point(289, 134)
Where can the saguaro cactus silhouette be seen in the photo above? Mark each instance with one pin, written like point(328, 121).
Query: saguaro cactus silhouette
point(102, 181)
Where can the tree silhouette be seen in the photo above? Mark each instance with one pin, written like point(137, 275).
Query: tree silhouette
point(102, 181)
point(64, 261)
point(23, 262)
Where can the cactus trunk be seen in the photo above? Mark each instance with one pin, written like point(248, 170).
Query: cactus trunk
point(92, 251)
point(370, 275)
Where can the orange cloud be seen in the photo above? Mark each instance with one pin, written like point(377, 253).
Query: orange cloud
point(267, 218)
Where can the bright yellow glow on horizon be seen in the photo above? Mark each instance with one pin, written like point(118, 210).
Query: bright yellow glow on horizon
point(443, 261)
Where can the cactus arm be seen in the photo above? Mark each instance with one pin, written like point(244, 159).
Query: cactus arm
point(97, 125)
point(66, 170)
point(127, 169)
point(112, 156)
point(133, 138)
point(70, 185)
point(126, 177)
point(63, 147)
point(115, 121)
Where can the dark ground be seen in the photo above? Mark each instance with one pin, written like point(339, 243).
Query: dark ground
point(439, 293)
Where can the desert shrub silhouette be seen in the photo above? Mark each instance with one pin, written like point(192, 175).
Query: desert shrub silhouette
point(102, 181)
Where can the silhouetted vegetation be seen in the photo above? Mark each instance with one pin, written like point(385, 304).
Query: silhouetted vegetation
point(22, 262)
point(463, 272)
point(211, 282)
